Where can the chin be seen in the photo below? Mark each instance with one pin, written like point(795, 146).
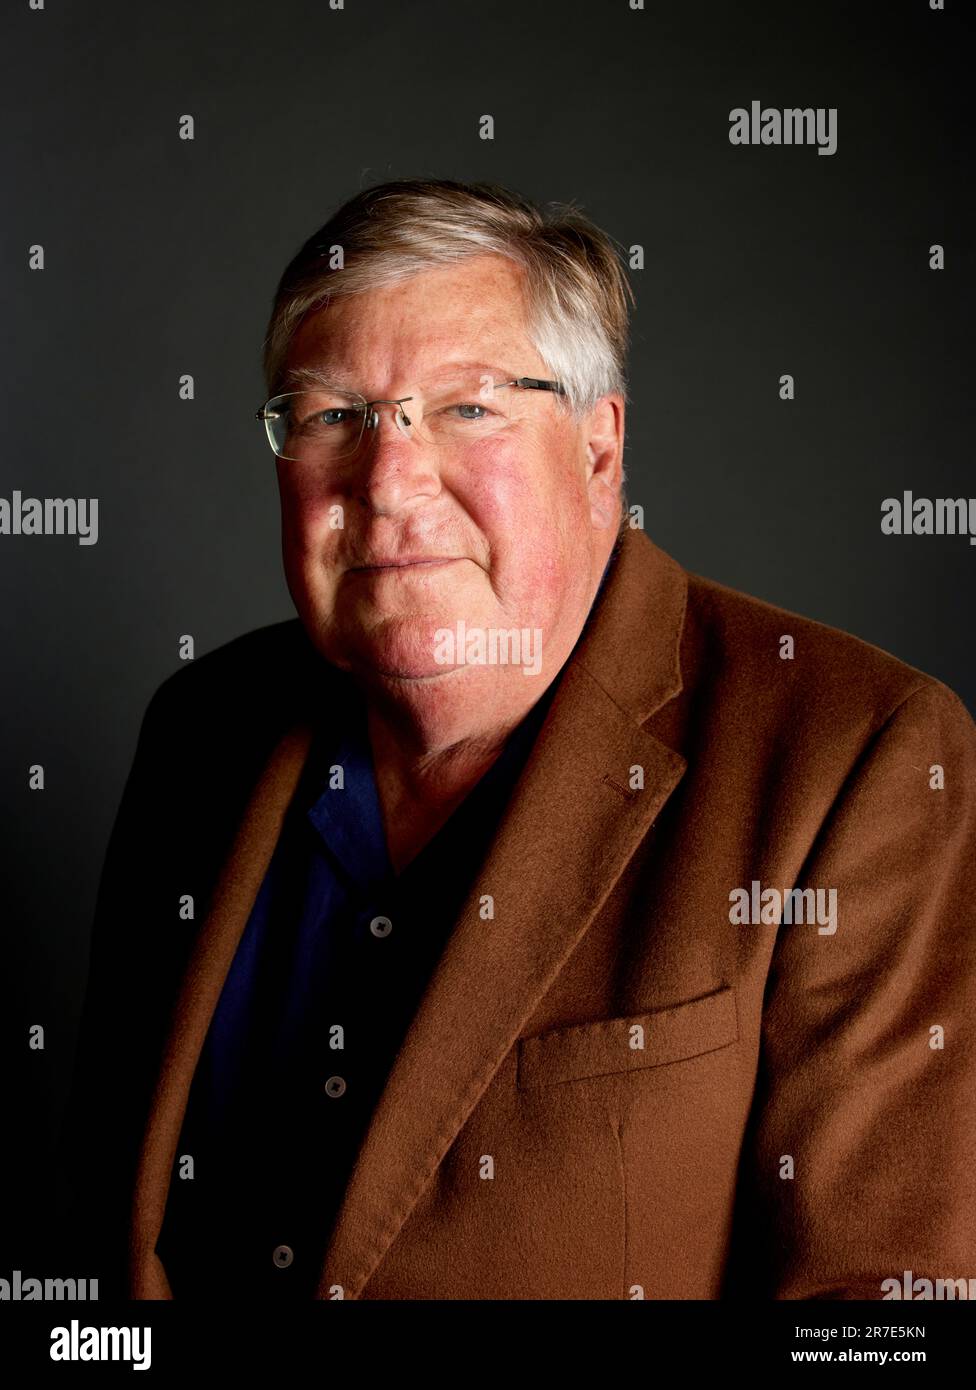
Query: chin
point(399, 649)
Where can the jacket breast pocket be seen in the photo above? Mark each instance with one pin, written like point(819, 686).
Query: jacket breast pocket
point(656, 1038)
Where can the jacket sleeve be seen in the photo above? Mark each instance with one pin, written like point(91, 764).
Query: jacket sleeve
point(137, 943)
point(867, 1076)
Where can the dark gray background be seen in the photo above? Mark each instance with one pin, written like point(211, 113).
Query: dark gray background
point(162, 256)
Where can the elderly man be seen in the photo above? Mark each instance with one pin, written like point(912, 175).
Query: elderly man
point(529, 918)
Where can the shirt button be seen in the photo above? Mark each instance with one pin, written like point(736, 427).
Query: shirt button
point(335, 1086)
point(381, 926)
point(283, 1256)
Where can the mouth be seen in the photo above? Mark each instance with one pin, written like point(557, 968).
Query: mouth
point(425, 563)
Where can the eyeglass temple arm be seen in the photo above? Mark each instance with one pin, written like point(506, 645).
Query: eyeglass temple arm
point(533, 383)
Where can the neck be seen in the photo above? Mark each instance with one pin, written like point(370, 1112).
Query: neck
point(433, 738)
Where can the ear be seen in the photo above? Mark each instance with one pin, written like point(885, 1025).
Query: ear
point(602, 438)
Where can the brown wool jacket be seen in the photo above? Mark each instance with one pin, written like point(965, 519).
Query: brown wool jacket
point(675, 1103)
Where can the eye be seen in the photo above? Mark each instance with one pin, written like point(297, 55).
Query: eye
point(337, 415)
point(471, 405)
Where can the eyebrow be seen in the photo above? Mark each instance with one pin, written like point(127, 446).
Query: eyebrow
point(319, 376)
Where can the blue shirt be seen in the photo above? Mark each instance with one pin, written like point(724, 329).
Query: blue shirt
point(329, 971)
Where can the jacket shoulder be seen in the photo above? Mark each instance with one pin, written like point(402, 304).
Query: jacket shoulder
point(745, 638)
point(266, 669)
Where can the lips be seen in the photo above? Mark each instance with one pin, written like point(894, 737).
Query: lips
point(406, 561)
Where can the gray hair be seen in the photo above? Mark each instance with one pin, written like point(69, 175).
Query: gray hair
point(575, 286)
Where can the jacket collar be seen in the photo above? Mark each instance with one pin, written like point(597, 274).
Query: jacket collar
point(548, 869)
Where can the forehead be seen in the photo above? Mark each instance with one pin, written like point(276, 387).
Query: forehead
point(472, 312)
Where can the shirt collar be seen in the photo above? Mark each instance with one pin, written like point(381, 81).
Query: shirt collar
point(348, 819)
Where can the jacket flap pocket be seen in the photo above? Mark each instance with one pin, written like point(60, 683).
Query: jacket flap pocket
point(629, 1044)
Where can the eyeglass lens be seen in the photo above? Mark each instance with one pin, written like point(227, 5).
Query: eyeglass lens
point(325, 424)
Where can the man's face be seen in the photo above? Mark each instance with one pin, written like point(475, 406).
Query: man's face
point(522, 519)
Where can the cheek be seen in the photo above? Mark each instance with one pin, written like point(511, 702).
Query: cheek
point(309, 528)
point(493, 482)
point(514, 488)
point(530, 508)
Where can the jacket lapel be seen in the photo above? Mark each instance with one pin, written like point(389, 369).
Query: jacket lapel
point(203, 981)
point(571, 827)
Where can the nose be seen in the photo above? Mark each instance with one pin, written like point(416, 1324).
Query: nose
point(396, 465)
